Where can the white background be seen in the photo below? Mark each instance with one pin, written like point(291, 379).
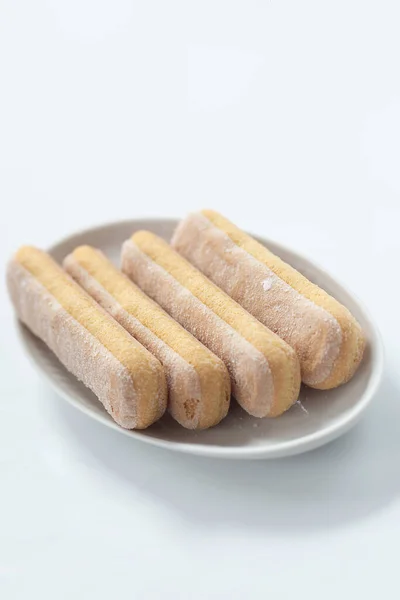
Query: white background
point(285, 116)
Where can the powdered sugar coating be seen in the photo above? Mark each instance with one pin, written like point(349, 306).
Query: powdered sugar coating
point(80, 352)
point(252, 382)
point(267, 284)
point(183, 381)
point(312, 331)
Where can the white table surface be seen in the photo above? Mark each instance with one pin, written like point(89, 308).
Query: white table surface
point(286, 117)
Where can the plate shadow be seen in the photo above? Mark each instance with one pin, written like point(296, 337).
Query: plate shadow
point(344, 481)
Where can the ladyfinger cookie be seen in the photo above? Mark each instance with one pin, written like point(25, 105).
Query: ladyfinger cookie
point(198, 382)
point(328, 340)
point(264, 370)
point(128, 380)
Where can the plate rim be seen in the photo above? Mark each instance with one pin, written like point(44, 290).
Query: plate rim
point(303, 444)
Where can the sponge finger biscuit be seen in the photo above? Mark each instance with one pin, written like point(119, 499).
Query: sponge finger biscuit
point(126, 378)
point(326, 337)
point(264, 370)
point(198, 382)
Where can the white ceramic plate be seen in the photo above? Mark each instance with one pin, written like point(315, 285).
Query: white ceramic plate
point(320, 418)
